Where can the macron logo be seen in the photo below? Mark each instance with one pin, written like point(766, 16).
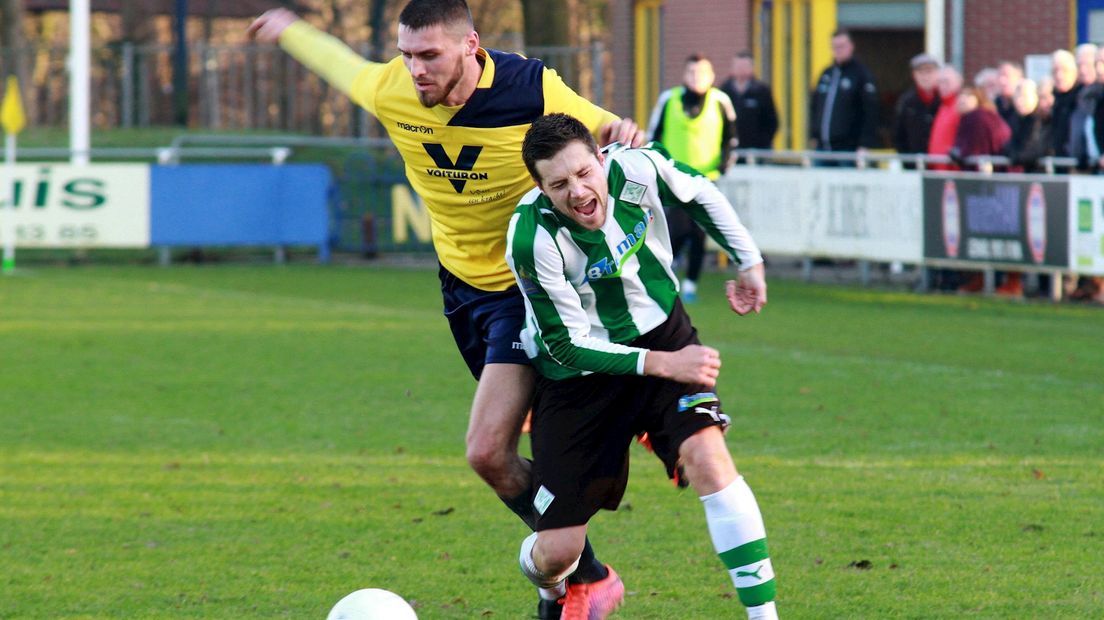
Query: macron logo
point(414, 128)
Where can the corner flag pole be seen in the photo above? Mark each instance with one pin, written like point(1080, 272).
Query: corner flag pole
point(13, 120)
point(80, 83)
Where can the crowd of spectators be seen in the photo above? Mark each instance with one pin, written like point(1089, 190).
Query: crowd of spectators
point(1000, 117)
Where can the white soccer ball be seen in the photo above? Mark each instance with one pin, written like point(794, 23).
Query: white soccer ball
point(372, 604)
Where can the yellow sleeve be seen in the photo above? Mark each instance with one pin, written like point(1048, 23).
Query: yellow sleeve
point(332, 60)
point(558, 97)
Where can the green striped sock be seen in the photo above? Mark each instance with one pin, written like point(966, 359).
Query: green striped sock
point(750, 567)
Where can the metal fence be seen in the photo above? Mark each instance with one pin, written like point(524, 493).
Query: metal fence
point(232, 87)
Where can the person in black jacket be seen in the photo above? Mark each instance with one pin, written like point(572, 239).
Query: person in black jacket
point(1009, 75)
point(756, 116)
point(1031, 139)
point(1066, 91)
point(844, 105)
point(917, 107)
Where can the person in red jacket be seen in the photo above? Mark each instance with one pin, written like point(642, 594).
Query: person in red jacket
point(981, 130)
point(945, 125)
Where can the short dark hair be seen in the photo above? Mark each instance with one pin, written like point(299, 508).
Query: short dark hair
point(842, 32)
point(548, 135)
point(419, 14)
point(695, 57)
point(744, 54)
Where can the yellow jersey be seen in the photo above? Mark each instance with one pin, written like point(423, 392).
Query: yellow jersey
point(464, 161)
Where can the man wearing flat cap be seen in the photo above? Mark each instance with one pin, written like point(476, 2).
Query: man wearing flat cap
point(916, 108)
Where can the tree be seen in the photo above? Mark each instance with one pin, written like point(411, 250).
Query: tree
point(14, 39)
point(548, 22)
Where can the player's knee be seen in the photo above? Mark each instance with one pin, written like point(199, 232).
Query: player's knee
point(547, 564)
point(488, 459)
point(708, 464)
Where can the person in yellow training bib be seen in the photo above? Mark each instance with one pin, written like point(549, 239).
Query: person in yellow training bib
point(458, 113)
point(697, 125)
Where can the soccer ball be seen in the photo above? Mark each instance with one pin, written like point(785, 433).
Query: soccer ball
point(372, 604)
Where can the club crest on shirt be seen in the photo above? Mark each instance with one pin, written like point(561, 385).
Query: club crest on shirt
point(632, 192)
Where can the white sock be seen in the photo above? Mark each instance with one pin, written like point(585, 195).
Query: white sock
point(689, 287)
point(554, 584)
point(736, 527)
point(766, 611)
point(554, 593)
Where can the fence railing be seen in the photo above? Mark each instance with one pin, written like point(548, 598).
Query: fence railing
point(987, 164)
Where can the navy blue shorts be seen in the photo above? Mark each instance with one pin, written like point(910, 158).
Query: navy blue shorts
point(485, 324)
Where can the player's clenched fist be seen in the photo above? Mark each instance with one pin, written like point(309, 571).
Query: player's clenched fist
point(268, 27)
point(695, 364)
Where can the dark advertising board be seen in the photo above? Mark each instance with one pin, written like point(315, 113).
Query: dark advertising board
point(995, 220)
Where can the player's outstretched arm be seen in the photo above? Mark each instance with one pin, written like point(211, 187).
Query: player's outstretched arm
point(748, 293)
point(695, 364)
point(624, 130)
point(269, 26)
point(323, 54)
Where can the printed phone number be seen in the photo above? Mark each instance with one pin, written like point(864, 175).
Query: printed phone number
point(38, 233)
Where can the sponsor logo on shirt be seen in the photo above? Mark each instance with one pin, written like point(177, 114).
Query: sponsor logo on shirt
point(611, 267)
point(458, 172)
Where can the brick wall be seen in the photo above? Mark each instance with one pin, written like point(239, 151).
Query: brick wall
point(716, 29)
point(621, 53)
point(1011, 29)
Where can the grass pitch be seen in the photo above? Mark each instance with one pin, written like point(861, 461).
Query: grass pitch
point(256, 442)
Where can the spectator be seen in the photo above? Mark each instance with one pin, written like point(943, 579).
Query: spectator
point(1085, 56)
point(945, 125)
point(1031, 139)
point(844, 106)
point(1046, 108)
point(1066, 89)
point(756, 116)
point(1009, 76)
point(988, 80)
point(916, 109)
point(697, 124)
point(1030, 142)
point(1082, 144)
point(981, 131)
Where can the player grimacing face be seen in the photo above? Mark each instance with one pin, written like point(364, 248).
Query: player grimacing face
point(575, 181)
point(435, 57)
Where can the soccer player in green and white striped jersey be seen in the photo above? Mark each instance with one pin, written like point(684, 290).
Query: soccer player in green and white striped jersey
point(618, 356)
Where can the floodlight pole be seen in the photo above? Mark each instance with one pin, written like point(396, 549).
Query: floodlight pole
point(80, 83)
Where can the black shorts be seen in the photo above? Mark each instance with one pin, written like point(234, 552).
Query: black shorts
point(486, 325)
point(582, 429)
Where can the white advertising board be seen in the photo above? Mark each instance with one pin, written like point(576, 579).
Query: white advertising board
point(1086, 231)
point(63, 206)
point(830, 212)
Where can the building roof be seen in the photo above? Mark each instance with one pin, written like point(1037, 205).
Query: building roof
point(238, 8)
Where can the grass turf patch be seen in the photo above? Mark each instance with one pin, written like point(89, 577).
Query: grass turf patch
point(256, 441)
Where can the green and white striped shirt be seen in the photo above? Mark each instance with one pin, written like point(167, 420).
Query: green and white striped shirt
point(589, 293)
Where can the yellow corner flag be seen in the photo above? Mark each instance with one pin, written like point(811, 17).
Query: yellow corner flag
point(12, 116)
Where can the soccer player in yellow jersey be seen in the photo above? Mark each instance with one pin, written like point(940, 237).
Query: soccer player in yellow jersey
point(458, 114)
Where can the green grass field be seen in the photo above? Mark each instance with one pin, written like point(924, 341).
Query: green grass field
point(258, 441)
